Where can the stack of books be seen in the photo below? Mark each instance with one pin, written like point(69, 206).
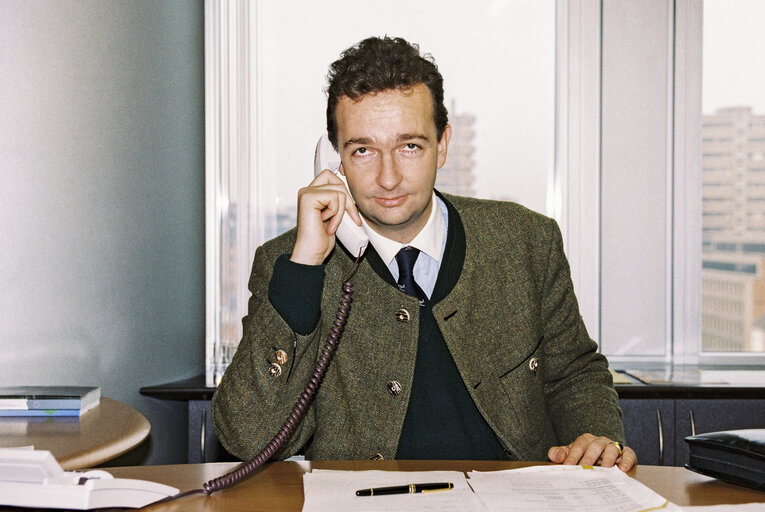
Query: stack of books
point(46, 401)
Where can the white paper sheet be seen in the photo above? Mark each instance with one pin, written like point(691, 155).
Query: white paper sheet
point(565, 488)
point(536, 488)
point(335, 491)
point(741, 507)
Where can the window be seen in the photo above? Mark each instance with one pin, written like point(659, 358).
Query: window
point(733, 266)
point(270, 60)
point(660, 200)
point(680, 191)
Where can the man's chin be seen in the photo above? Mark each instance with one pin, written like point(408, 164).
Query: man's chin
point(392, 226)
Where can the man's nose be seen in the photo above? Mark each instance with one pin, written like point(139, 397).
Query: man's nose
point(389, 175)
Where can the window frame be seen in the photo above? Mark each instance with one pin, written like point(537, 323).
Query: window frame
point(575, 190)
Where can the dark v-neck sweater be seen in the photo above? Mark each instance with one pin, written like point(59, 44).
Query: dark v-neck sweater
point(442, 421)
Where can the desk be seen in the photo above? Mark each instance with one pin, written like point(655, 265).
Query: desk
point(101, 434)
point(279, 485)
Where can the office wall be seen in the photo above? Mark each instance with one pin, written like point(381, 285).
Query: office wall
point(102, 201)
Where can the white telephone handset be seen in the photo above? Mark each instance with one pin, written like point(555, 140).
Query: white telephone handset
point(353, 237)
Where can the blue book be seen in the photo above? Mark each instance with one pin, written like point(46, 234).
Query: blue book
point(40, 413)
point(22, 400)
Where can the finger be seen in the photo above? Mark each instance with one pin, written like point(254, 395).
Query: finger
point(325, 177)
point(345, 204)
point(628, 459)
point(328, 179)
point(338, 212)
point(320, 197)
point(595, 450)
point(350, 206)
point(316, 201)
point(353, 211)
point(557, 453)
point(578, 448)
point(327, 211)
point(610, 455)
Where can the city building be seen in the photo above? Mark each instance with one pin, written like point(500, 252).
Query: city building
point(733, 259)
point(456, 176)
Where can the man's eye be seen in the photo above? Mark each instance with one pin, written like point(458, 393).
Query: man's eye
point(361, 151)
point(411, 147)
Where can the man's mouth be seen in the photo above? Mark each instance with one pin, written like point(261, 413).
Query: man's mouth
point(390, 202)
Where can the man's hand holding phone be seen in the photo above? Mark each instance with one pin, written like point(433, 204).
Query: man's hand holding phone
point(321, 207)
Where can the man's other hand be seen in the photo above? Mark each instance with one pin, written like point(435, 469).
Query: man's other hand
point(589, 450)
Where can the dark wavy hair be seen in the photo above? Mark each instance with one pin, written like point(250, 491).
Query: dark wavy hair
point(380, 64)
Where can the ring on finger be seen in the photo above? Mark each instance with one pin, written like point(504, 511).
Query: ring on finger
point(619, 446)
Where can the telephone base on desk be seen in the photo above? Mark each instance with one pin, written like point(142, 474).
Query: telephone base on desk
point(33, 478)
point(734, 456)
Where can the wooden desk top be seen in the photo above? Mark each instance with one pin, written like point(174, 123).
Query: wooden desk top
point(279, 485)
point(101, 434)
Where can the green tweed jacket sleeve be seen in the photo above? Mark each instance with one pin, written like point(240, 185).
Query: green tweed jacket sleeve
point(250, 403)
point(511, 323)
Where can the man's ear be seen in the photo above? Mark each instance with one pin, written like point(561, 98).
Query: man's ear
point(443, 145)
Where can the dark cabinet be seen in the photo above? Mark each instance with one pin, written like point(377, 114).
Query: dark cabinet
point(649, 429)
point(698, 416)
point(203, 443)
point(656, 428)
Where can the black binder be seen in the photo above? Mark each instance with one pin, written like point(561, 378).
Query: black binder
point(735, 456)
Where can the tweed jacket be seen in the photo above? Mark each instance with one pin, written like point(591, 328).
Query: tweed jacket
point(511, 324)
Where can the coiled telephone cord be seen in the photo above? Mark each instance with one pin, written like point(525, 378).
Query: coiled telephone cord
point(298, 410)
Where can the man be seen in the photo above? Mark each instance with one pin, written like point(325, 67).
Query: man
point(464, 339)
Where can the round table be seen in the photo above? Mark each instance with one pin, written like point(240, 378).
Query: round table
point(101, 434)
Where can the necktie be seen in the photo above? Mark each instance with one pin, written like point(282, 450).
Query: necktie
point(406, 258)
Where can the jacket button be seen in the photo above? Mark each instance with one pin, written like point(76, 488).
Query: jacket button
point(534, 364)
point(274, 370)
point(394, 387)
point(376, 456)
point(402, 315)
point(281, 356)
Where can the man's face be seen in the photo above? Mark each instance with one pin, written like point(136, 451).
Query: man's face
point(390, 154)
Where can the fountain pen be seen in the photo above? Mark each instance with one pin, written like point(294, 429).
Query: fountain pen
point(406, 489)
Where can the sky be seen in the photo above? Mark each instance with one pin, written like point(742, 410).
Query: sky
point(734, 54)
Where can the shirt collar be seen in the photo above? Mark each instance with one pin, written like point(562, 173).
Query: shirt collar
point(429, 240)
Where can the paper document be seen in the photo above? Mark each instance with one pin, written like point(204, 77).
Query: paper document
point(536, 488)
point(336, 491)
point(741, 507)
point(565, 488)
